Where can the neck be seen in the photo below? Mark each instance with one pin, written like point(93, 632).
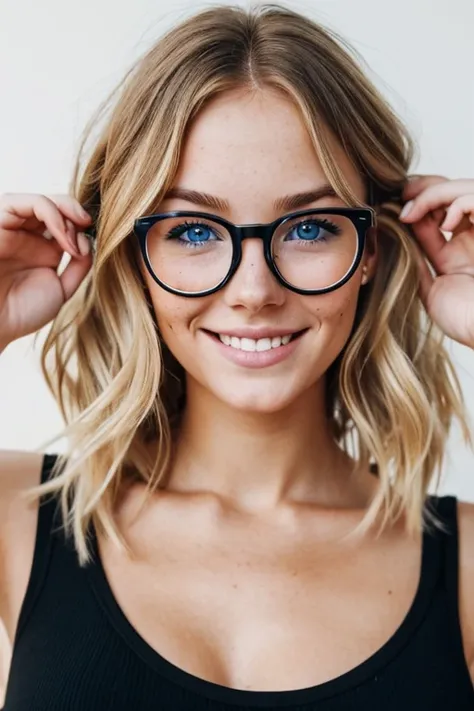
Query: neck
point(258, 460)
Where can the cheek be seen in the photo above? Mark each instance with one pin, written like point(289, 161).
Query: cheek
point(170, 310)
point(175, 316)
point(172, 317)
point(336, 312)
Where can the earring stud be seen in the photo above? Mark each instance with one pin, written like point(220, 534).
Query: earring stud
point(365, 277)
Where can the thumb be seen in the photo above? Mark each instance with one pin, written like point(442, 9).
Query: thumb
point(426, 278)
point(74, 274)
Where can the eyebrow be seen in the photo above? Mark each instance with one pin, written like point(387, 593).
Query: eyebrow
point(287, 202)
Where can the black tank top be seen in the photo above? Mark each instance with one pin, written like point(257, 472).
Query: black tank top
point(75, 650)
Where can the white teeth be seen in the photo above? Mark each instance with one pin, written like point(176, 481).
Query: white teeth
point(264, 344)
point(250, 344)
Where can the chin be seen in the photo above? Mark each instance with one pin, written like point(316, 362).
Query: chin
point(257, 400)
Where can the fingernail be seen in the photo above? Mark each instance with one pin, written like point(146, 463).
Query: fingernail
point(406, 209)
point(83, 243)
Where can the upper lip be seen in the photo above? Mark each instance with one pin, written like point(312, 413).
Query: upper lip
point(257, 333)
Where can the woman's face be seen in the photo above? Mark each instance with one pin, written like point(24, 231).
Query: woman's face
point(251, 150)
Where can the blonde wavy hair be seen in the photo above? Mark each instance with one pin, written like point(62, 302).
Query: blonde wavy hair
point(392, 393)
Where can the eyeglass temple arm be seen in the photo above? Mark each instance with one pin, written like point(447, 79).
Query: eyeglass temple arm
point(379, 194)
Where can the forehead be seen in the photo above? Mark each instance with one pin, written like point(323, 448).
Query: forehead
point(253, 147)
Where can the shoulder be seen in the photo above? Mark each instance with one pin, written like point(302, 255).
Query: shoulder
point(466, 578)
point(19, 471)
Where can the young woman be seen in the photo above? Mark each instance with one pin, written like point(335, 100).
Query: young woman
point(250, 364)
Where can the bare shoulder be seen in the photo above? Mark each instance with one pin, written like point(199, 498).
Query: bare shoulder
point(466, 578)
point(19, 471)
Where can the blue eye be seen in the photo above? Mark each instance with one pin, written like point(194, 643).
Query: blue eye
point(198, 233)
point(192, 233)
point(308, 231)
point(313, 231)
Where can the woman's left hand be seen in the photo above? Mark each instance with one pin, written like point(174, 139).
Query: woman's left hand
point(437, 204)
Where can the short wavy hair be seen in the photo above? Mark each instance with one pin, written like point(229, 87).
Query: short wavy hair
point(392, 392)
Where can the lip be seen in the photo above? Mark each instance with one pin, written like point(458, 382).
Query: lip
point(256, 359)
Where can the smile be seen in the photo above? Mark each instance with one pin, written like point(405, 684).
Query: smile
point(266, 350)
point(251, 344)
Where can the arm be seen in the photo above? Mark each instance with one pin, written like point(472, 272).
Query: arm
point(18, 471)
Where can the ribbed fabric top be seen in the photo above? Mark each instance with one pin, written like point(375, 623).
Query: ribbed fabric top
point(76, 651)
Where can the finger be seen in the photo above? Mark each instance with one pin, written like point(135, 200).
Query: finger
point(72, 208)
point(426, 279)
point(438, 215)
point(16, 210)
point(417, 183)
point(457, 211)
point(71, 233)
point(78, 219)
point(69, 206)
point(434, 197)
point(47, 251)
point(31, 249)
point(431, 240)
point(73, 274)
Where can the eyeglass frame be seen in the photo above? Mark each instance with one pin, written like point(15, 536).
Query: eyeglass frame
point(363, 219)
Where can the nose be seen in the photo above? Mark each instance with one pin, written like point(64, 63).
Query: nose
point(253, 286)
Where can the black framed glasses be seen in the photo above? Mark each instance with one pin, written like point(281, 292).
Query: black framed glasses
point(191, 253)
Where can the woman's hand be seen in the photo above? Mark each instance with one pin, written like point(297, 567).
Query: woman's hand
point(436, 205)
point(35, 232)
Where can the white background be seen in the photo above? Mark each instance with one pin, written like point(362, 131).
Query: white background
point(59, 59)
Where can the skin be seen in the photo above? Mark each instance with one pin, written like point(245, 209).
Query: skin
point(247, 530)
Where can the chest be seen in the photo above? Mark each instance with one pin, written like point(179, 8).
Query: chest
point(252, 611)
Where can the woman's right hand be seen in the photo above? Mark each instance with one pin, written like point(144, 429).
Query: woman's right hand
point(31, 291)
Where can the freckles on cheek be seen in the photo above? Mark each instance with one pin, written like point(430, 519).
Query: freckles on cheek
point(335, 309)
point(338, 313)
point(168, 325)
point(173, 317)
